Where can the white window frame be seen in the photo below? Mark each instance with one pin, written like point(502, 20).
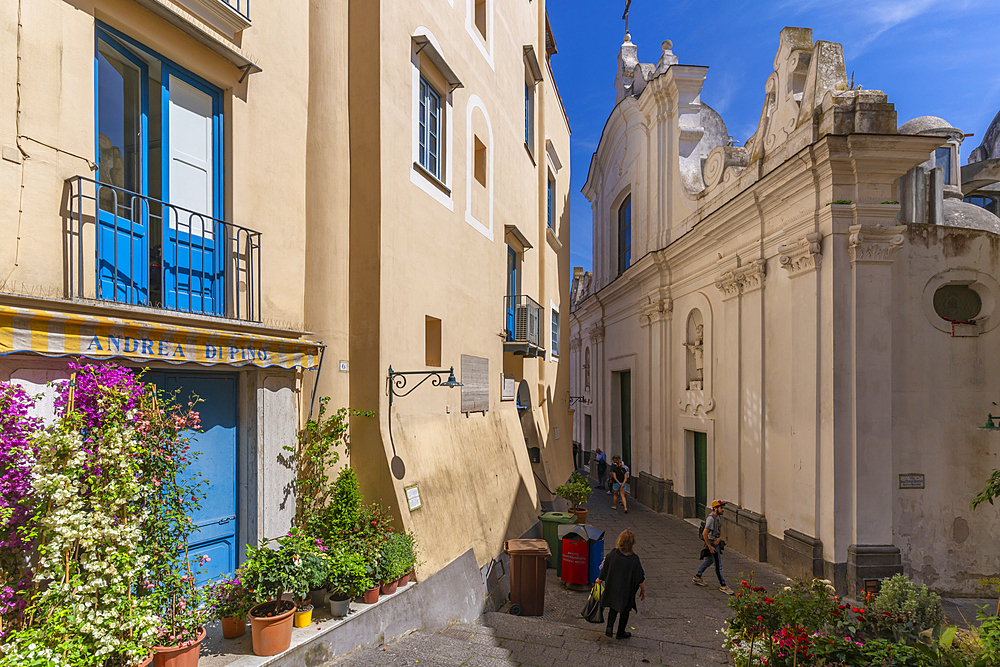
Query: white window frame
point(485, 46)
point(484, 227)
point(439, 188)
point(553, 336)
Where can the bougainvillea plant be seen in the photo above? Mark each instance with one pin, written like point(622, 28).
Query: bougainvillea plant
point(18, 432)
point(114, 504)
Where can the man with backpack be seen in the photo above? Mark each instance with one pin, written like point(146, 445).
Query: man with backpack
point(711, 534)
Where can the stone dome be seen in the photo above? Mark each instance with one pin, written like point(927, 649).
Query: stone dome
point(958, 213)
point(926, 125)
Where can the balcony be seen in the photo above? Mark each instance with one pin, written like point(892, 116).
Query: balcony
point(133, 249)
point(523, 326)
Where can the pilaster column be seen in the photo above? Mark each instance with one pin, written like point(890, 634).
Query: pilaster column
point(801, 260)
point(872, 554)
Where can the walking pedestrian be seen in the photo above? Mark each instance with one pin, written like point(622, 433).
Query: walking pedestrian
point(619, 475)
point(712, 536)
point(602, 468)
point(622, 575)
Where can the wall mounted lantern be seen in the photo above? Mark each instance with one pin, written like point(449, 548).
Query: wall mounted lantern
point(397, 385)
point(990, 426)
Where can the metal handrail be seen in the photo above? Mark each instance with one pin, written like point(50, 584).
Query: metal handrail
point(242, 7)
point(223, 259)
point(528, 320)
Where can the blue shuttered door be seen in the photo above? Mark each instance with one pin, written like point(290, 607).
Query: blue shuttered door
point(122, 218)
point(217, 460)
point(193, 241)
point(511, 292)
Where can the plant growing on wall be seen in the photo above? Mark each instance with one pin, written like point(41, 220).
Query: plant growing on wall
point(113, 502)
point(18, 432)
point(577, 490)
point(317, 451)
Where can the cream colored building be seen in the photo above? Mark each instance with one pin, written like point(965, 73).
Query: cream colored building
point(459, 249)
point(264, 207)
point(801, 325)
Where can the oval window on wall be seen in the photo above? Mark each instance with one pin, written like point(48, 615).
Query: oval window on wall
point(957, 303)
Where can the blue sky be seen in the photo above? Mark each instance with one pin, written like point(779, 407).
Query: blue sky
point(932, 57)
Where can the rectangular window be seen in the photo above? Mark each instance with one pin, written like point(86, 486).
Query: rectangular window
point(479, 160)
point(625, 235)
point(430, 128)
point(555, 332)
point(551, 209)
point(529, 115)
point(481, 17)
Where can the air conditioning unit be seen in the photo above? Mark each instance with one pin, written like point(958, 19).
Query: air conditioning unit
point(521, 326)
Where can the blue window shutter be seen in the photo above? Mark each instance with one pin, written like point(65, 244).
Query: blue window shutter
point(550, 203)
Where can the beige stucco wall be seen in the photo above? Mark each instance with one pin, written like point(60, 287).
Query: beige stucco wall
point(428, 259)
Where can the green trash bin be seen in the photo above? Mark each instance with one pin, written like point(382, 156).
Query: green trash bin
point(550, 533)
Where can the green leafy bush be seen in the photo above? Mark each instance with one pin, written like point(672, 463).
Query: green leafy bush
point(347, 572)
point(912, 604)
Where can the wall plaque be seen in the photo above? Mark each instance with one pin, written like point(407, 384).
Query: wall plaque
point(911, 481)
point(508, 387)
point(475, 384)
point(413, 497)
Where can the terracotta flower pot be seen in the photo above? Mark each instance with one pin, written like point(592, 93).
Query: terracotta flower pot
point(233, 626)
point(371, 595)
point(581, 515)
point(404, 580)
point(179, 656)
point(272, 634)
point(389, 587)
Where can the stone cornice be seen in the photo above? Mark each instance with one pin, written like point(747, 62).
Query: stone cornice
point(874, 244)
point(801, 256)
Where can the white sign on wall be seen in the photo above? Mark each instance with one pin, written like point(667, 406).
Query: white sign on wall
point(508, 388)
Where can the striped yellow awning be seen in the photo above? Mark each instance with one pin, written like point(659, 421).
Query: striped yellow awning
point(71, 334)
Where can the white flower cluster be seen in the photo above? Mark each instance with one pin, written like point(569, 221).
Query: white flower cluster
point(89, 549)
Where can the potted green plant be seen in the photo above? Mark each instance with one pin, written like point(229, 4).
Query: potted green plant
point(577, 491)
point(229, 601)
point(392, 562)
point(272, 569)
point(408, 547)
point(347, 577)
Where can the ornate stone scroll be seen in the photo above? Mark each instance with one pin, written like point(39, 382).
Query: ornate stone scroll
point(874, 244)
point(742, 280)
point(803, 255)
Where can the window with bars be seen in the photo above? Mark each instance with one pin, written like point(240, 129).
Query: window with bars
point(430, 128)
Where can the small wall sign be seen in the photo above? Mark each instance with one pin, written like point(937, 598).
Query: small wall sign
point(412, 497)
point(911, 481)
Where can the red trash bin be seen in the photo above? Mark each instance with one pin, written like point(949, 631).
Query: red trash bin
point(574, 559)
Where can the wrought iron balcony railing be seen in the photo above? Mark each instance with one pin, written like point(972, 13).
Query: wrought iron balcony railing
point(130, 248)
point(242, 7)
point(523, 324)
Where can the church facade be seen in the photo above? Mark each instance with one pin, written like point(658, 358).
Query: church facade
point(801, 325)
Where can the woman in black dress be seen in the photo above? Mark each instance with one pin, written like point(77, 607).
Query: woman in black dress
point(622, 576)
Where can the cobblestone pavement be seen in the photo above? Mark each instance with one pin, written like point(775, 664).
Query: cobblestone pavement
point(676, 625)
